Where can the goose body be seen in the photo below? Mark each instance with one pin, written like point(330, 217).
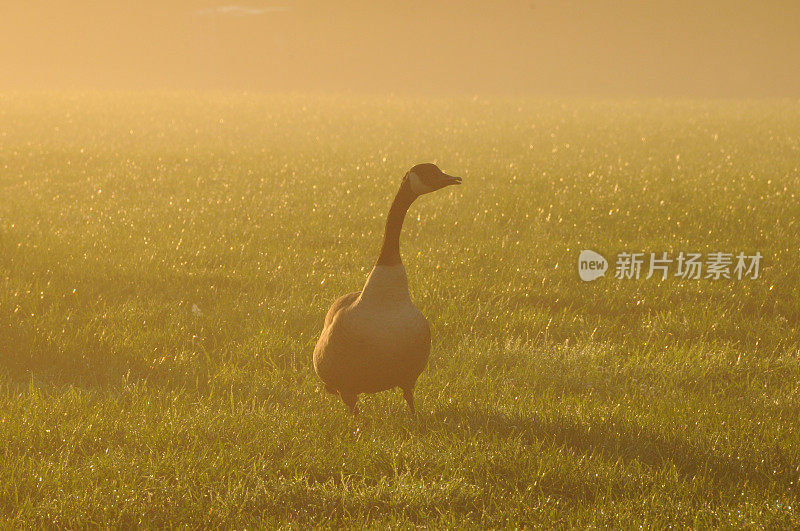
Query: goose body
point(376, 339)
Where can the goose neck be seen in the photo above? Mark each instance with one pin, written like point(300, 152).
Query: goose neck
point(390, 251)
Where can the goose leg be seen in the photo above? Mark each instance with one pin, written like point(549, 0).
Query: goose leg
point(350, 401)
point(408, 394)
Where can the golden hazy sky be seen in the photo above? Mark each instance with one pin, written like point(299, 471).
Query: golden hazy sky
point(542, 47)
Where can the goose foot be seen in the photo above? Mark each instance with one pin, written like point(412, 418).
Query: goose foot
point(408, 394)
point(350, 401)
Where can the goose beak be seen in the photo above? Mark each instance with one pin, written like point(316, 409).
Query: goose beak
point(449, 179)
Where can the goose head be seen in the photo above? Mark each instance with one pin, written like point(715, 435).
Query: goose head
point(427, 178)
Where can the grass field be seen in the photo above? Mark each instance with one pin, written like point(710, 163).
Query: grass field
point(547, 400)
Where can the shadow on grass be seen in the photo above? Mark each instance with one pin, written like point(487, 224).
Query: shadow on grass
point(79, 351)
point(26, 356)
point(614, 443)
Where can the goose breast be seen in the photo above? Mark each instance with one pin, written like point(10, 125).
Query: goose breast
point(373, 347)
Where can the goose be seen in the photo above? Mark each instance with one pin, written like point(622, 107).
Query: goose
point(375, 339)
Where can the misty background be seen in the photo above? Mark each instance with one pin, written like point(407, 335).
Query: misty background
point(539, 47)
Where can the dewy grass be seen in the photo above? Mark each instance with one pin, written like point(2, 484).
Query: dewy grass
point(166, 261)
